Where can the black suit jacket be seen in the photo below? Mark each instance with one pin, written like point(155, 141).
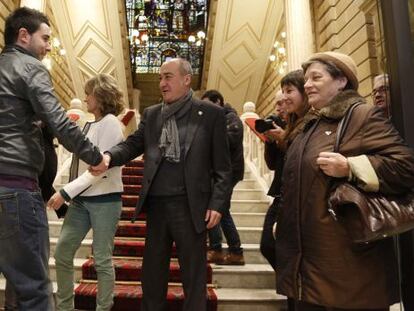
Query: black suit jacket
point(207, 169)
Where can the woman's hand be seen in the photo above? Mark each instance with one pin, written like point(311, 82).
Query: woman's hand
point(333, 164)
point(276, 134)
point(56, 201)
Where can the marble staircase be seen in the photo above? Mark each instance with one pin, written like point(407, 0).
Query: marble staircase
point(249, 287)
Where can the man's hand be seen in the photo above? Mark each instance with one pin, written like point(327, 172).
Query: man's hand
point(101, 167)
point(333, 164)
point(56, 201)
point(212, 218)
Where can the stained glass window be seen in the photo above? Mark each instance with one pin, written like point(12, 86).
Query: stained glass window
point(163, 29)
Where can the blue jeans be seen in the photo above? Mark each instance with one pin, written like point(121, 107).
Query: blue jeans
point(82, 215)
point(230, 232)
point(24, 245)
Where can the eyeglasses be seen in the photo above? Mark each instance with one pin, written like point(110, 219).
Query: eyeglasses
point(381, 89)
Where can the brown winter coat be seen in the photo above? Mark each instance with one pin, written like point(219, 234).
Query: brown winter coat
point(317, 262)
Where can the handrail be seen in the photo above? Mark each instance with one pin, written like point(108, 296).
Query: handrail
point(64, 161)
point(253, 144)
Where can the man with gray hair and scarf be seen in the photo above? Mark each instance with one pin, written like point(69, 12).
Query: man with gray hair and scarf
point(187, 180)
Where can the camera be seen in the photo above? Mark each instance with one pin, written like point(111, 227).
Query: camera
point(263, 125)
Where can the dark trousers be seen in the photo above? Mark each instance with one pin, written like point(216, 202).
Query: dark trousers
point(267, 241)
point(304, 306)
point(10, 299)
point(229, 229)
point(168, 221)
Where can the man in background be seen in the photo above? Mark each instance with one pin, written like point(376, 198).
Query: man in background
point(215, 254)
point(381, 95)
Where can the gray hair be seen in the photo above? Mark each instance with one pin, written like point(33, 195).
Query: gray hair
point(383, 76)
point(184, 66)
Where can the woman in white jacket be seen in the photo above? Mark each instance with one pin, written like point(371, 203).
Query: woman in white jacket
point(95, 201)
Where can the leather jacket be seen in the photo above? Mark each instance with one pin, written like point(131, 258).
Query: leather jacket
point(26, 96)
point(235, 139)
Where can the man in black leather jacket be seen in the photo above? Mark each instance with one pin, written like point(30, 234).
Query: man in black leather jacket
point(26, 96)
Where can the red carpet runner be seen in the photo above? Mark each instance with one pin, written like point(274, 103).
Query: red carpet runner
point(128, 252)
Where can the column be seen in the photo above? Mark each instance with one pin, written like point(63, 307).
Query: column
point(299, 37)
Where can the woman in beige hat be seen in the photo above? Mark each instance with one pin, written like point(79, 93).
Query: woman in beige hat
point(318, 265)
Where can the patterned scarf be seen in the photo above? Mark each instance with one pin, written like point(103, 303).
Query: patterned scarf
point(169, 140)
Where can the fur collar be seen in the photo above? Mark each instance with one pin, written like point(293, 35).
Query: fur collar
point(336, 108)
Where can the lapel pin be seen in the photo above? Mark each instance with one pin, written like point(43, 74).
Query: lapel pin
point(328, 132)
point(200, 113)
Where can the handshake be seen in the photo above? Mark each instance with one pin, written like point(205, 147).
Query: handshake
point(101, 167)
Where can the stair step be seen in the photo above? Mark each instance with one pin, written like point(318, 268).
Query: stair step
point(135, 163)
point(258, 206)
point(137, 229)
point(238, 194)
point(129, 212)
point(126, 228)
point(247, 276)
point(251, 253)
point(250, 206)
point(133, 248)
point(130, 269)
point(132, 179)
point(134, 171)
point(126, 296)
point(123, 248)
point(250, 235)
point(233, 299)
point(132, 189)
point(248, 219)
point(230, 299)
point(242, 299)
point(248, 194)
point(129, 200)
point(247, 183)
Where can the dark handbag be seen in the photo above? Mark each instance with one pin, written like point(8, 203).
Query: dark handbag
point(368, 216)
point(61, 212)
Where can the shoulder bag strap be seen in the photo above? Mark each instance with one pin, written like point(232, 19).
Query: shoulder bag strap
point(342, 126)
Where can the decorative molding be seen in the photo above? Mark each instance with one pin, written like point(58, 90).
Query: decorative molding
point(84, 19)
point(93, 40)
point(94, 56)
point(239, 58)
point(237, 8)
point(241, 45)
